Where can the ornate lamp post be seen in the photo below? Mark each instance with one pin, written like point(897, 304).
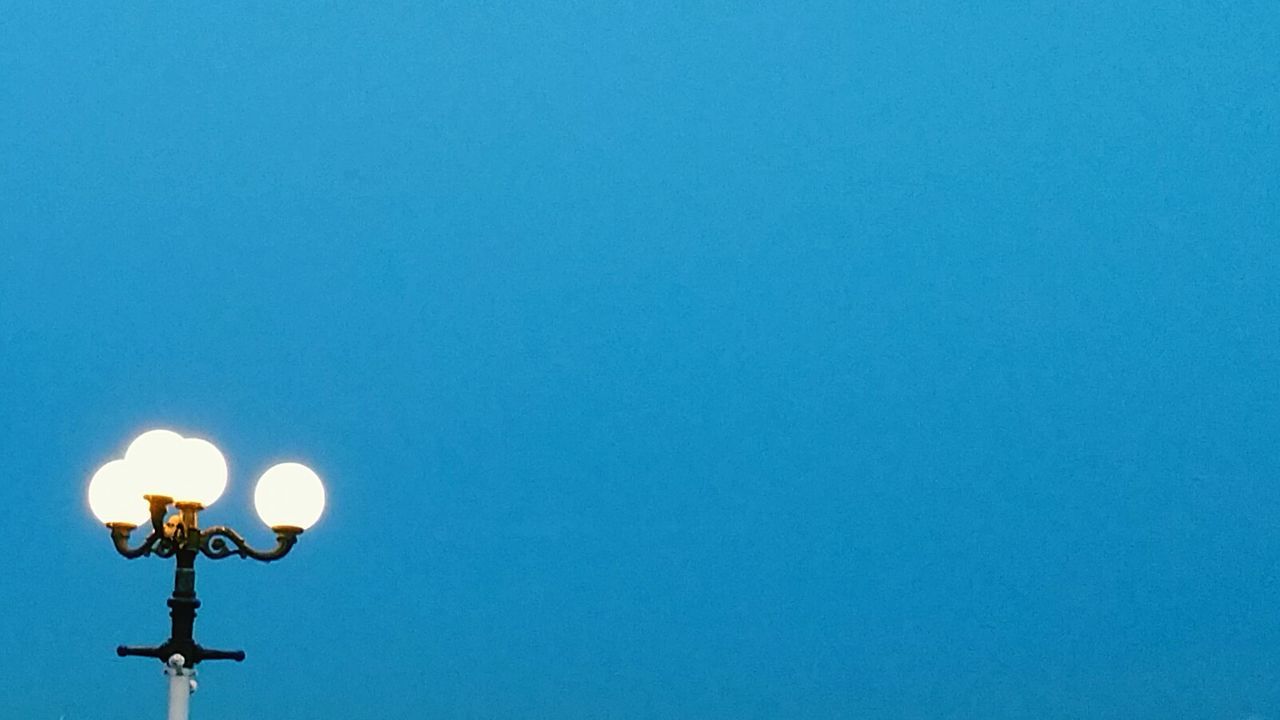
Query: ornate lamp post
point(163, 469)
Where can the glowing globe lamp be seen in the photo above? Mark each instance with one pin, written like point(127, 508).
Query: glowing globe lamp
point(189, 470)
point(116, 497)
point(204, 473)
point(155, 458)
point(289, 495)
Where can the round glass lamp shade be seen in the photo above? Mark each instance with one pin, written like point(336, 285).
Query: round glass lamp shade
point(185, 469)
point(289, 494)
point(204, 474)
point(155, 457)
point(116, 497)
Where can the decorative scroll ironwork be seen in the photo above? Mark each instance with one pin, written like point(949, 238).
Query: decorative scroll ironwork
point(213, 544)
point(180, 536)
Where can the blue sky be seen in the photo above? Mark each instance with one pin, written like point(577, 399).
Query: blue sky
point(693, 360)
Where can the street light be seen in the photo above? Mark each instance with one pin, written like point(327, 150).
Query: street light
point(162, 468)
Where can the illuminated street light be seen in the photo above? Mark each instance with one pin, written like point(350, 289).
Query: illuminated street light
point(160, 469)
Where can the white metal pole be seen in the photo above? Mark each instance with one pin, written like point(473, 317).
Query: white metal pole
point(180, 687)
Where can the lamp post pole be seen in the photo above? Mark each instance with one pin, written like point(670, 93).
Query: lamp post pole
point(181, 685)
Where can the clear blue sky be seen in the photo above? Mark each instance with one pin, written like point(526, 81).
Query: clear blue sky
point(705, 360)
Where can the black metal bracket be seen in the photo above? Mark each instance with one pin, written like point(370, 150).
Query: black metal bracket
point(180, 535)
point(120, 533)
point(191, 653)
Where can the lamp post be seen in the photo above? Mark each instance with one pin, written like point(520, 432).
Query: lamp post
point(163, 470)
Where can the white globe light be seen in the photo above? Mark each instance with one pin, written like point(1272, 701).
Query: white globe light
point(289, 494)
point(115, 495)
point(185, 469)
point(203, 473)
point(156, 459)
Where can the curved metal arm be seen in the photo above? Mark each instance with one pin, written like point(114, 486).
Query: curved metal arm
point(213, 543)
point(120, 533)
